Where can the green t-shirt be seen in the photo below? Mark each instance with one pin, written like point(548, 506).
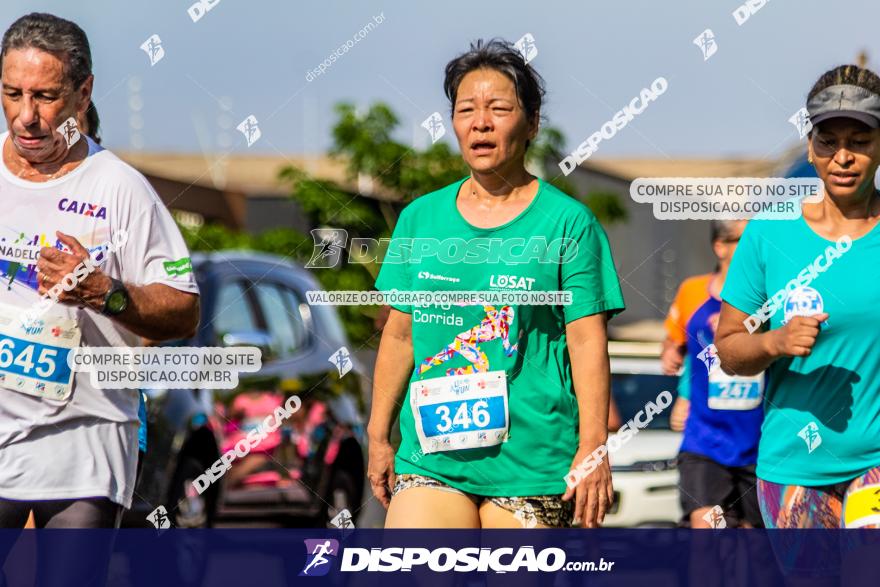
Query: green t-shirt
point(822, 412)
point(543, 410)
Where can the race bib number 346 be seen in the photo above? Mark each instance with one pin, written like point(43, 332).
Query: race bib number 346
point(461, 411)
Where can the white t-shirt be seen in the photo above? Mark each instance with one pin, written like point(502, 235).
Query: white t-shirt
point(86, 445)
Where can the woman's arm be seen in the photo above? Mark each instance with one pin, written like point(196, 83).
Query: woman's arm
point(394, 364)
point(591, 375)
point(742, 353)
point(590, 369)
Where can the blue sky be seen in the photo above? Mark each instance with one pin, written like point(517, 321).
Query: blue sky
point(595, 57)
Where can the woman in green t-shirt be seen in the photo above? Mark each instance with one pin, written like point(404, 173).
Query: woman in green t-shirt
point(498, 401)
point(808, 291)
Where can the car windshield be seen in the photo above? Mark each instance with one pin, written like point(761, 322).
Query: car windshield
point(632, 392)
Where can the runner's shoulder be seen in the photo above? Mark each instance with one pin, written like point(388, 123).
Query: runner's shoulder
point(570, 215)
point(766, 227)
point(429, 203)
point(566, 203)
point(122, 177)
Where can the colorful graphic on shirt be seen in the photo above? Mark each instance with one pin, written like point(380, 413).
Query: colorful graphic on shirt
point(17, 271)
point(495, 325)
point(14, 266)
point(26, 273)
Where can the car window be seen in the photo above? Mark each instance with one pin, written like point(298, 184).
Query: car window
point(292, 302)
point(330, 324)
point(281, 313)
point(632, 392)
point(233, 312)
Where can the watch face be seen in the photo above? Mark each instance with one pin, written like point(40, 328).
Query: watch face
point(116, 302)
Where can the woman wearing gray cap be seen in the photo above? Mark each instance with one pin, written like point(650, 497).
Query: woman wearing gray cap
point(819, 456)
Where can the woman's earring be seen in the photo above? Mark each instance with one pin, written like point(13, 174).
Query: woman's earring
point(810, 160)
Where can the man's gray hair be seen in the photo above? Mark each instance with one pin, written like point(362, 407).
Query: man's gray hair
point(62, 38)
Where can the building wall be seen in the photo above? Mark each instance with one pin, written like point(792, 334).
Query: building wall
point(267, 212)
point(652, 256)
point(215, 206)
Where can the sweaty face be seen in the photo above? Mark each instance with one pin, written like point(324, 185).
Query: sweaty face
point(846, 154)
point(490, 123)
point(37, 98)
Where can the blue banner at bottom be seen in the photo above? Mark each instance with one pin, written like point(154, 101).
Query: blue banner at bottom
point(605, 557)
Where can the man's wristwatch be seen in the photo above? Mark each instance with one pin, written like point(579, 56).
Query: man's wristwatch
point(116, 299)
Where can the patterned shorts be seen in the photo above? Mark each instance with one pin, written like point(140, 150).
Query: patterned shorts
point(841, 505)
point(794, 506)
point(547, 510)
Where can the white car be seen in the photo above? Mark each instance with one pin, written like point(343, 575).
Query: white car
point(644, 467)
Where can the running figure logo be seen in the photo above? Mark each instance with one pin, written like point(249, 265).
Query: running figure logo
point(526, 515)
point(342, 520)
point(527, 47)
point(69, 131)
point(250, 128)
point(329, 245)
point(434, 125)
point(715, 517)
point(495, 325)
point(801, 121)
point(159, 517)
point(709, 356)
point(154, 49)
point(342, 359)
point(706, 42)
point(810, 434)
point(317, 559)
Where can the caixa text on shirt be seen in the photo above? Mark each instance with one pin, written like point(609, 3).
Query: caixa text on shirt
point(82, 208)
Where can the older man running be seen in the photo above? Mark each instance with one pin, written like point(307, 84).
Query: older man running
point(68, 450)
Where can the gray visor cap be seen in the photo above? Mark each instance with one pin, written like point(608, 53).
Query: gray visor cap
point(845, 101)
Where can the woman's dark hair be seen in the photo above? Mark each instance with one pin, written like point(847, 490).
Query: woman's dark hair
point(94, 123)
point(852, 75)
point(503, 57)
point(62, 38)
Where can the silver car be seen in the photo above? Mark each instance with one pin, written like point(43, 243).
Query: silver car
point(644, 466)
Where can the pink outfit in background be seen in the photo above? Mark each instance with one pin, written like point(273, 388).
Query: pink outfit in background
point(254, 408)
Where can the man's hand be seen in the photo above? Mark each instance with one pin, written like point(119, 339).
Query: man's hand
point(594, 494)
point(678, 417)
point(57, 268)
point(797, 337)
point(672, 358)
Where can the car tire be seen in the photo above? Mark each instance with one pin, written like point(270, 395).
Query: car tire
point(191, 509)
